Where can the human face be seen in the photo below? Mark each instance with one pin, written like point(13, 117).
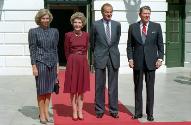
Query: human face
point(145, 16)
point(77, 24)
point(107, 13)
point(45, 20)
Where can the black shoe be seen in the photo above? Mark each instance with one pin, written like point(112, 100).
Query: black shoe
point(137, 116)
point(100, 115)
point(150, 118)
point(114, 115)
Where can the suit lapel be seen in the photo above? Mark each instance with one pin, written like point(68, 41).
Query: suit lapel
point(112, 31)
point(104, 34)
point(103, 30)
point(138, 32)
point(149, 31)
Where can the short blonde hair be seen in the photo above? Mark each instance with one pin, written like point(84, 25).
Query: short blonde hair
point(41, 13)
point(78, 15)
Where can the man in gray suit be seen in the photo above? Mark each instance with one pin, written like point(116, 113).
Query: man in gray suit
point(145, 51)
point(105, 36)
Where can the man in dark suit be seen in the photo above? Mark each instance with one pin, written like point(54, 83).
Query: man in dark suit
point(105, 36)
point(145, 52)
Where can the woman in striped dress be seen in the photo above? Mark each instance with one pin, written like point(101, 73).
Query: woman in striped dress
point(43, 42)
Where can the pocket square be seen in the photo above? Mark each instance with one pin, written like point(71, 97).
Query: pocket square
point(153, 32)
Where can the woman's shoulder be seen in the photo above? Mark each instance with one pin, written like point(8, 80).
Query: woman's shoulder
point(68, 33)
point(33, 29)
point(86, 33)
point(54, 29)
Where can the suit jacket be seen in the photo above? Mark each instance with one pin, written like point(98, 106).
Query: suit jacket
point(43, 45)
point(150, 51)
point(101, 49)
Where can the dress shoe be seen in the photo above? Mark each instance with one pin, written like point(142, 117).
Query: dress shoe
point(150, 118)
point(114, 115)
point(75, 116)
point(43, 122)
point(50, 120)
point(137, 116)
point(74, 119)
point(100, 115)
point(80, 118)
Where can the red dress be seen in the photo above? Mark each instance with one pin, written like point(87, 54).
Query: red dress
point(77, 77)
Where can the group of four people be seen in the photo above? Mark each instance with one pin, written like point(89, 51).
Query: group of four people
point(145, 52)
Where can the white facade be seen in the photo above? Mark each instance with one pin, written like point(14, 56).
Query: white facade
point(17, 17)
point(187, 62)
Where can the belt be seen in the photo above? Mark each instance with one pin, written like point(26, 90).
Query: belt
point(79, 53)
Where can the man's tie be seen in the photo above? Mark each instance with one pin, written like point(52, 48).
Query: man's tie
point(144, 33)
point(144, 30)
point(108, 33)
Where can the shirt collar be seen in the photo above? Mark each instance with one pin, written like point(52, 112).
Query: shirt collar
point(104, 21)
point(141, 23)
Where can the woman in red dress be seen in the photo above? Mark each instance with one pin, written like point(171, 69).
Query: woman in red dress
point(77, 79)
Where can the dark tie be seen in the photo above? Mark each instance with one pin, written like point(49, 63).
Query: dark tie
point(144, 33)
point(108, 33)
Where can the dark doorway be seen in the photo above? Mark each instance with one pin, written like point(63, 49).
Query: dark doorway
point(61, 21)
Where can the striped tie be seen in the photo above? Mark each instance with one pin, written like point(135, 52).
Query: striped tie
point(144, 33)
point(108, 33)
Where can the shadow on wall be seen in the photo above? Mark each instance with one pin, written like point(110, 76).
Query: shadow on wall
point(1, 7)
point(132, 7)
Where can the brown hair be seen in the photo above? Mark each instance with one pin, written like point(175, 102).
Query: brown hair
point(106, 5)
point(78, 15)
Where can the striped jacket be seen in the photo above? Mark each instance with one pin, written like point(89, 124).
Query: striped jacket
point(43, 45)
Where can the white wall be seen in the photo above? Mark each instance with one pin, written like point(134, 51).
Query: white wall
point(16, 18)
point(187, 62)
point(126, 12)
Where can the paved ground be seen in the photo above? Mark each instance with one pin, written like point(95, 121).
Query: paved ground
point(172, 97)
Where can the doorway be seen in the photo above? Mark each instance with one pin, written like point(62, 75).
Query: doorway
point(175, 33)
point(61, 14)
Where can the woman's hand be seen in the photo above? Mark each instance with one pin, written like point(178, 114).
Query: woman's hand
point(35, 70)
point(57, 69)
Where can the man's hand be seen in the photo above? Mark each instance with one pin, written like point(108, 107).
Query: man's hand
point(131, 63)
point(158, 63)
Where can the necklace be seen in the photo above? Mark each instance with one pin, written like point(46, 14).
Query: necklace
point(78, 34)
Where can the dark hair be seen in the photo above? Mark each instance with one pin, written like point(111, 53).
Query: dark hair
point(144, 8)
point(104, 5)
